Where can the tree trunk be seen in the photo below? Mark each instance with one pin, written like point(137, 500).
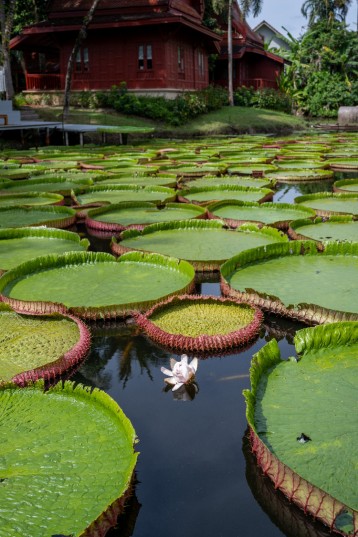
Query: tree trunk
point(229, 55)
point(6, 22)
point(71, 61)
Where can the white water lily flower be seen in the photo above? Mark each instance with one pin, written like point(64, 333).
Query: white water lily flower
point(181, 373)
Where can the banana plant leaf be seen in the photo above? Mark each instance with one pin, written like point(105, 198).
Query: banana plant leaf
point(67, 460)
point(206, 195)
point(206, 244)
point(335, 228)
point(94, 285)
point(279, 215)
point(30, 199)
point(120, 216)
point(51, 216)
point(191, 323)
point(35, 346)
point(296, 280)
point(328, 203)
point(301, 414)
point(22, 244)
point(120, 193)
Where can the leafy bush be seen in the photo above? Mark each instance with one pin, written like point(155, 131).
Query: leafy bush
point(263, 98)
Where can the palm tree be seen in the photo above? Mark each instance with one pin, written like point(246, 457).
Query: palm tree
point(317, 10)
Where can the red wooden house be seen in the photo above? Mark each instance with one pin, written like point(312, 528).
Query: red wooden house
point(253, 66)
point(155, 46)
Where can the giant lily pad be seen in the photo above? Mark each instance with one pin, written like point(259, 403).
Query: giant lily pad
point(328, 203)
point(140, 180)
point(30, 199)
point(235, 213)
point(206, 195)
point(205, 244)
point(295, 280)
point(54, 216)
point(120, 216)
point(105, 194)
point(236, 180)
point(22, 244)
point(193, 323)
point(335, 228)
point(299, 175)
point(62, 185)
point(94, 285)
point(301, 415)
point(346, 185)
point(67, 460)
point(338, 164)
point(34, 346)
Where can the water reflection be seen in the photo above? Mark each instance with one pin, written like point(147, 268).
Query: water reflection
point(285, 515)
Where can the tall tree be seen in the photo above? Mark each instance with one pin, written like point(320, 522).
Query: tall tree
point(7, 12)
point(325, 10)
point(82, 34)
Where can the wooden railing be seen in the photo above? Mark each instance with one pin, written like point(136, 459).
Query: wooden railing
point(43, 82)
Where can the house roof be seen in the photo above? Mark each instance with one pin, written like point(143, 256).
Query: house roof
point(263, 24)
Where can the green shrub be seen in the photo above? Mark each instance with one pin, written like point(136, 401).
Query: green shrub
point(268, 98)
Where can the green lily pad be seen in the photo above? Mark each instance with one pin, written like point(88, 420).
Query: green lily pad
point(30, 199)
point(235, 213)
point(205, 244)
point(33, 346)
point(235, 180)
point(346, 185)
point(299, 175)
point(142, 180)
point(22, 244)
point(301, 415)
point(94, 285)
point(193, 323)
point(54, 216)
point(335, 228)
point(67, 458)
point(250, 169)
point(328, 203)
point(60, 185)
point(300, 164)
point(205, 195)
point(117, 217)
point(343, 164)
point(115, 194)
point(295, 280)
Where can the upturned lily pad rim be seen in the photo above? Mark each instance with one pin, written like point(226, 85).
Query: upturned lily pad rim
point(66, 215)
point(295, 175)
point(53, 199)
point(93, 223)
point(171, 193)
point(234, 223)
point(294, 234)
point(64, 363)
point(327, 195)
point(75, 258)
point(98, 399)
point(305, 312)
point(338, 186)
point(267, 193)
point(203, 343)
point(304, 494)
point(119, 249)
point(343, 164)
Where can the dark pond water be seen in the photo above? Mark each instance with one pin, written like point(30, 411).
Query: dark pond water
point(195, 476)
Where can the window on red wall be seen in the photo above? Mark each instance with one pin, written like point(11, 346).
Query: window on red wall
point(181, 65)
point(82, 60)
point(201, 64)
point(145, 57)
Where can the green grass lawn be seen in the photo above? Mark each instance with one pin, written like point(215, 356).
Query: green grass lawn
point(227, 120)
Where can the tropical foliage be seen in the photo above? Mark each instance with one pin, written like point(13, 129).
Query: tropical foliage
point(322, 74)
